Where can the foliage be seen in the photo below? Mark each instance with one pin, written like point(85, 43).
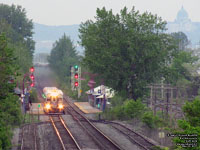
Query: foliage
point(10, 113)
point(128, 50)
point(16, 48)
point(187, 129)
point(33, 96)
point(5, 135)
point(189, 125)
point(117, 100)
point(18, 30)
point(130, 109)
point(15, 16)
point(181, 40)
point(152, 121)
point(177, 69)
point(63, 55)
point(192, 112)
point(134, 109)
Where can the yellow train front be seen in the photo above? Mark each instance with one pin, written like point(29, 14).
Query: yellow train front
point(53, 101)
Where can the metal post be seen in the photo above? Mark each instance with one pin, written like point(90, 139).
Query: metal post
point(38, 114)
point(79, 82)
point(162, 87)
point(151, 99)
point(72, 78)
point(167, 107)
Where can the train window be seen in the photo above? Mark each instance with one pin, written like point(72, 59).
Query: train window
point(48, 99)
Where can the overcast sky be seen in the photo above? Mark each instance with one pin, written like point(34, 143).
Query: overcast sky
point(68, 12)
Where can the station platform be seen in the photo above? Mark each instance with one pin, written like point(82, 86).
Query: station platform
point(36, 108)
point(86, 108)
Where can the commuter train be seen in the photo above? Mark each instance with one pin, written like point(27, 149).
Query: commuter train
point(53, 101)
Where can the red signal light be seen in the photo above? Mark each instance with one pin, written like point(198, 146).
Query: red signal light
point(76, 76)
point(32, 69)
point(76, 83)
point(32, 84)
point(32, 77)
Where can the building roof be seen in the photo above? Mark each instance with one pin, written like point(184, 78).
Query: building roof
point(182, 15)
point(109, 92)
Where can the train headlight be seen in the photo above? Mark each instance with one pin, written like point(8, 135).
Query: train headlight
point(60, 106)
point(48, 106)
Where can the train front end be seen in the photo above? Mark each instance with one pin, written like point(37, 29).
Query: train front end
point(54, 101)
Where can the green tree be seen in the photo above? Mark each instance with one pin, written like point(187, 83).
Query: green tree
point(192, 112)
point(178, 70)
point(16, 17)
point(191, 123)
point(18, 29)
point(63, 55)
point(181, 40)
point(128, 50)
point(9, 104)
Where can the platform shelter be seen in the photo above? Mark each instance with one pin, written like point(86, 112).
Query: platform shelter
point(100, 96)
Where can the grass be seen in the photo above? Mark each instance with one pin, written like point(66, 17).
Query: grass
point(29, 118)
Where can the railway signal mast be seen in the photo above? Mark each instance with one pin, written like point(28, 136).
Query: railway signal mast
point(75, 79)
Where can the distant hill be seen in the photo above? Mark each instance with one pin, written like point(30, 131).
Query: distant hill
point(46, 35)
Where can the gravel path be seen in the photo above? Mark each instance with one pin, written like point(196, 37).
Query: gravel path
point(83, 139)
point(47, 139)
point(117, 137)
point(15, 139)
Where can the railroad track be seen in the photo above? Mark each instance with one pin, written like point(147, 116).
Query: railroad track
point(65, 137)
point(25, 145)
point(99, 137)
point(132, 135)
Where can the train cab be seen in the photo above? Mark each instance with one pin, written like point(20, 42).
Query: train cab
point(54, 101)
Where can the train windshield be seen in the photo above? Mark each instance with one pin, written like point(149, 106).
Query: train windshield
point(53, 99)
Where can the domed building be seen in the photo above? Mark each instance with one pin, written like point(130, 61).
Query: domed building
point(181, 23)
point(182, 16)
point(184, 24)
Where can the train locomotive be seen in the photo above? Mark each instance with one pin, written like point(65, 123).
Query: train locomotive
point(53, 101)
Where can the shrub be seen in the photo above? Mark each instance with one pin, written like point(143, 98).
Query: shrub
point(117, 100)
point(148, 119)
point(192, 112)
point(152, 121)
point(134, 109)
point(118, 112)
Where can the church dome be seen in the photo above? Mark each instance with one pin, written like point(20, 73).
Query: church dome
point(182, 15)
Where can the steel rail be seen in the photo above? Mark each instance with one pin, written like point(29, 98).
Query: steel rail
point(138, 135)
point(132, 138)
point(58, 134)
point(93, 127)
point(89, 133)
point(68, 132)
point(62, 121)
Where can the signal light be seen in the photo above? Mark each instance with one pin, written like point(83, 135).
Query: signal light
point(76, 83)
point(76, 76)
point(32, 77)
point(76, 67)
point(32, 84)
point(32, 69)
